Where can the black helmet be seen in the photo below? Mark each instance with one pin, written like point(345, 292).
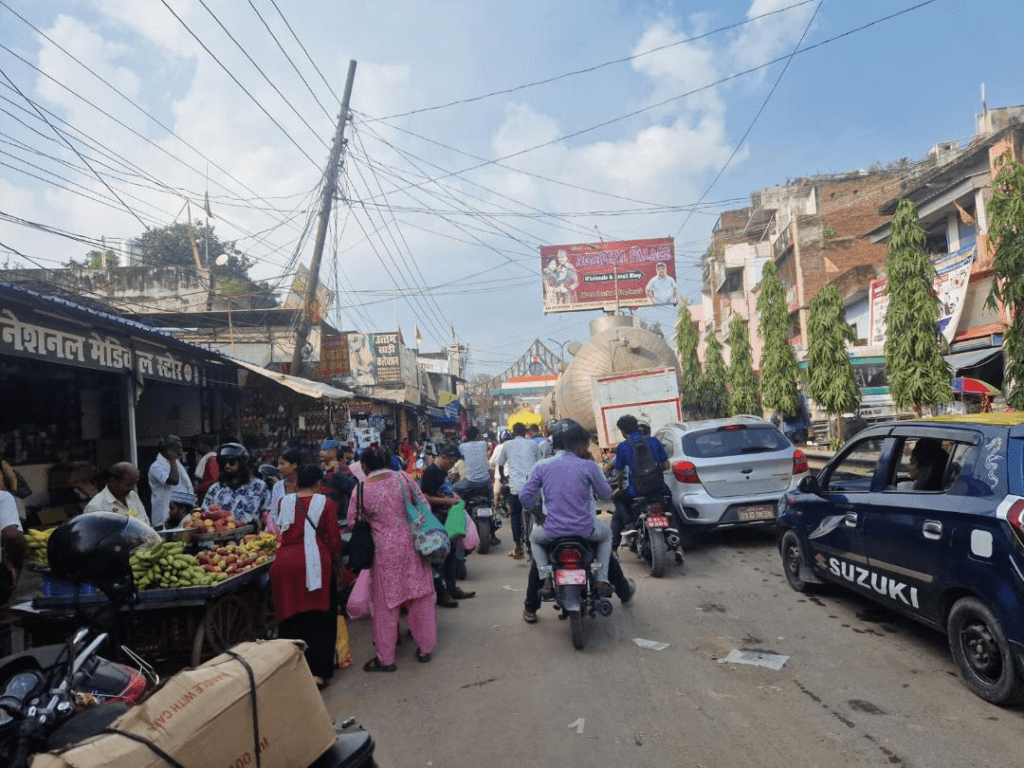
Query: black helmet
point(233, 451)
point(567, 433)
point(269, 473)
point(94, 547)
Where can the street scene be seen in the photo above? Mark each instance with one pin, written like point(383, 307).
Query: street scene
point(461, 384)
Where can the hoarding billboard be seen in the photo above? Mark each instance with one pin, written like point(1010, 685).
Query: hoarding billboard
point(334, 360)
point(627, 273)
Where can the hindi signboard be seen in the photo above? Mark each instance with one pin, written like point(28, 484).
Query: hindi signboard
point(628, 273)
point(387, 347)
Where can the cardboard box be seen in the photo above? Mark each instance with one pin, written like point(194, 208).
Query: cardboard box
point(203, 717)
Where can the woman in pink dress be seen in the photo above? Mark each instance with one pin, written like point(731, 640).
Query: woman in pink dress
point(400, 575)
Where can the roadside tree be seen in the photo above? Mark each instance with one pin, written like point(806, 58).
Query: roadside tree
point(830, 373)
point(742, 379)
point(715, 395)
point(1006, 234)
point(691, 393)
point(918, 375)
point(779, 369)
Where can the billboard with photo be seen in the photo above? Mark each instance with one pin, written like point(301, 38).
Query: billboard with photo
point(627, 273)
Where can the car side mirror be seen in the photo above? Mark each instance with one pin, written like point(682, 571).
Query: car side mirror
point(809, 484)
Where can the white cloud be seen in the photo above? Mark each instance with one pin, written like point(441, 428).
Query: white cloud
point(766, 39)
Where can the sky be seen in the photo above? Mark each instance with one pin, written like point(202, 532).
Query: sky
point(480, 131)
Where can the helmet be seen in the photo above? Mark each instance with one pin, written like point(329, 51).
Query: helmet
point(269, 473)
point(233, 451)
point(643, 427)
point(566, 433)
point(94, 547)
point(504, 435)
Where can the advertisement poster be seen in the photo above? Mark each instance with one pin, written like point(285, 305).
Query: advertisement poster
point(297, 295)
point(362, 359)
point(388, 358)
point(628, 273)
point(334, 359)
point(953, 272)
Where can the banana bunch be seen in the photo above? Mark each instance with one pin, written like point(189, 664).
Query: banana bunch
point(264, 543)
point(37, 540)
point(165, 565)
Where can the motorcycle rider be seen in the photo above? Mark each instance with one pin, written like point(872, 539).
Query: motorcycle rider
point(477, 480)
point(566, 483)
point(625, 518)
point(519, 456)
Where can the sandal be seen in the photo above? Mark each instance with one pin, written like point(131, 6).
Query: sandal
point(374, 665)
point(530, 617)
point(421, 657)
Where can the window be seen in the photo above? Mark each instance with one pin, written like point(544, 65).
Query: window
point(734, 441)
point(928, 465)
point(733, 281)
point(854, 471)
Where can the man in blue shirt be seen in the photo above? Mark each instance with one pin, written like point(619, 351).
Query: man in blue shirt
point(624, 517)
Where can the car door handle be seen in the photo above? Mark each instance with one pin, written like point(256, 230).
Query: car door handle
point(932, 529)
point(850, 520)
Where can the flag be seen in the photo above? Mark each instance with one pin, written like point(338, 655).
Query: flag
point(206, 206)
point(419, 336)
point(453, 332)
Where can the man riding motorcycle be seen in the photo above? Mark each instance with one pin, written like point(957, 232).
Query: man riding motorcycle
point(625, 517)
point(567, 481)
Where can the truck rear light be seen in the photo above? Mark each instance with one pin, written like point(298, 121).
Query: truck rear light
point(685, 472)
point(799, 462)
point(1015, 517)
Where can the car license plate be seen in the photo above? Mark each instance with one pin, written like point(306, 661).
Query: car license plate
point(566, 578)
point(484, 512)
point(657, 521)
point(757, 512)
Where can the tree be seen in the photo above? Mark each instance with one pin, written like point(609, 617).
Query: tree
point(715, 399)
point(687, 339)
point(830, 373)
point(779, 369)
point(1006, 234)
point(918, 375)
point(742, 379)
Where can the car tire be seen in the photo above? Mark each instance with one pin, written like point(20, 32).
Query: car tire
point(983, 655)
point(792, 560)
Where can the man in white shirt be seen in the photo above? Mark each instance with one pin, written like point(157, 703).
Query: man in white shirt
point(119, 494)
point(519, 456)
point(12, 542)
point(662, 289)
point(166, 475)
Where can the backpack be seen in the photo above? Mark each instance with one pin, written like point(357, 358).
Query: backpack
point(645, 475)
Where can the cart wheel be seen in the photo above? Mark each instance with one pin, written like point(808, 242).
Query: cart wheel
point(228, 621)
point(266, 625)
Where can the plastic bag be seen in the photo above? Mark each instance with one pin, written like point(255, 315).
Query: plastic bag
point(359, 600)
point(472, 540)
point(455, 523)
point(342, 652)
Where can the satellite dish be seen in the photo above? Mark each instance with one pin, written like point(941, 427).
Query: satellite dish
point(222, 260)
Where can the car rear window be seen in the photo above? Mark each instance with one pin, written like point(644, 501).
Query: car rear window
point(733, 441)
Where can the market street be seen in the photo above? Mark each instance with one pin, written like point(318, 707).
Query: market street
point(862, 686)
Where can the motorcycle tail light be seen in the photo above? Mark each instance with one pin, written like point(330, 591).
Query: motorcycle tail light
point(570, 558)
point(1015, 517)
point(135, 690)
point(685, 472)
point(799, 462)
point(655, 509)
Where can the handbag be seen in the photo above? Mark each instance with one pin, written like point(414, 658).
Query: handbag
point(358, 605)
point(360, 548)
point(429, 536)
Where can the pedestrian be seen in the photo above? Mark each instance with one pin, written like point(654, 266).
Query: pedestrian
point(166, 475)
point(519, 456)
point(304, 572)
point(119, 494)
point(12, 546)
point(339, 481)
point(439, 493)
point(288, 465)
point(401, 577)
point(207, 472)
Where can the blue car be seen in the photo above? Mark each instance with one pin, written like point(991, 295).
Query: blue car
point(927, 518)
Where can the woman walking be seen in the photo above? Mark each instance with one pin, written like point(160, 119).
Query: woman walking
point(400, 575)
point(288, 466)
point(302, 574)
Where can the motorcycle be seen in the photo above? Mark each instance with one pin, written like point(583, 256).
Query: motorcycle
point(575, 585)
point(481, 514)
point(655, 534)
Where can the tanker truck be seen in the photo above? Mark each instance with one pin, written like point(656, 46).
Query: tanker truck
point(623, 368)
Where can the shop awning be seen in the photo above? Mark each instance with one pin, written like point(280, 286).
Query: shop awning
point(960, 360)
point(315, 389)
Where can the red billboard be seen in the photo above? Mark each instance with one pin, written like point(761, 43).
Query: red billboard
point(628, 273)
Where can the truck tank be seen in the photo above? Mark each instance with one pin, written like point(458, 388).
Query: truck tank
point(617, 344)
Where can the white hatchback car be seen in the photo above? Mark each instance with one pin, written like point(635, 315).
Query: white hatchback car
point(728, 472)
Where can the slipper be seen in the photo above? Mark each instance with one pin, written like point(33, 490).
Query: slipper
point(374, 665)
point(421, 657)
point(530, 617)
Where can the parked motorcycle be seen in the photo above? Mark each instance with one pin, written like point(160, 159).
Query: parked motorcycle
point(655, 534)
point(575, 585)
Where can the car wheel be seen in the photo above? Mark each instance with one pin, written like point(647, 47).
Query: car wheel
point(792, 560)
point(982, 654)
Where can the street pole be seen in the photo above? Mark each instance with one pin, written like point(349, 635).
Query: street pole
point(326, 199)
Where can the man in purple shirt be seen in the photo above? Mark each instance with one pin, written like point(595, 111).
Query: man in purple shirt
point(566, 483)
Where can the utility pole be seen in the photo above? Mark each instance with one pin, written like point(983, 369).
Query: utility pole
point(327, 198)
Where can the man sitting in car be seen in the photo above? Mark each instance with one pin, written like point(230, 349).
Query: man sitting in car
point(927, 463)
point(624, 466)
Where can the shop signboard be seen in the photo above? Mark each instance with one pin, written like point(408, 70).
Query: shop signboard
point(388, 358)
point(58, 342)
point(628, 273)
point(334, 360)
point(362, 359)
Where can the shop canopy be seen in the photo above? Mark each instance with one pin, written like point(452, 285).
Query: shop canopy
point(315, 389)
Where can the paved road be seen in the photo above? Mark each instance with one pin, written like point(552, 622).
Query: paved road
point(862, 686)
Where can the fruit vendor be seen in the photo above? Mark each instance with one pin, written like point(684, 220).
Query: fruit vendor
point(182, 503)
point(119, 494)
point(237, 491)
point(12, 546)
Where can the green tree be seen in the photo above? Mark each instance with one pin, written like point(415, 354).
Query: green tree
point(742, 379)
point(779, 369)
point(918, 375)
point(715, 395)
point(1006, 234)
point(691, 394)
point(830, 373)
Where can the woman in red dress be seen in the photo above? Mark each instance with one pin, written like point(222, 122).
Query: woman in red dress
point(302, 575)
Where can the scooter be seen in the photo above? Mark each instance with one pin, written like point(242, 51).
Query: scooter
point(481, 513)
point(575, 585)
point(655, 534)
